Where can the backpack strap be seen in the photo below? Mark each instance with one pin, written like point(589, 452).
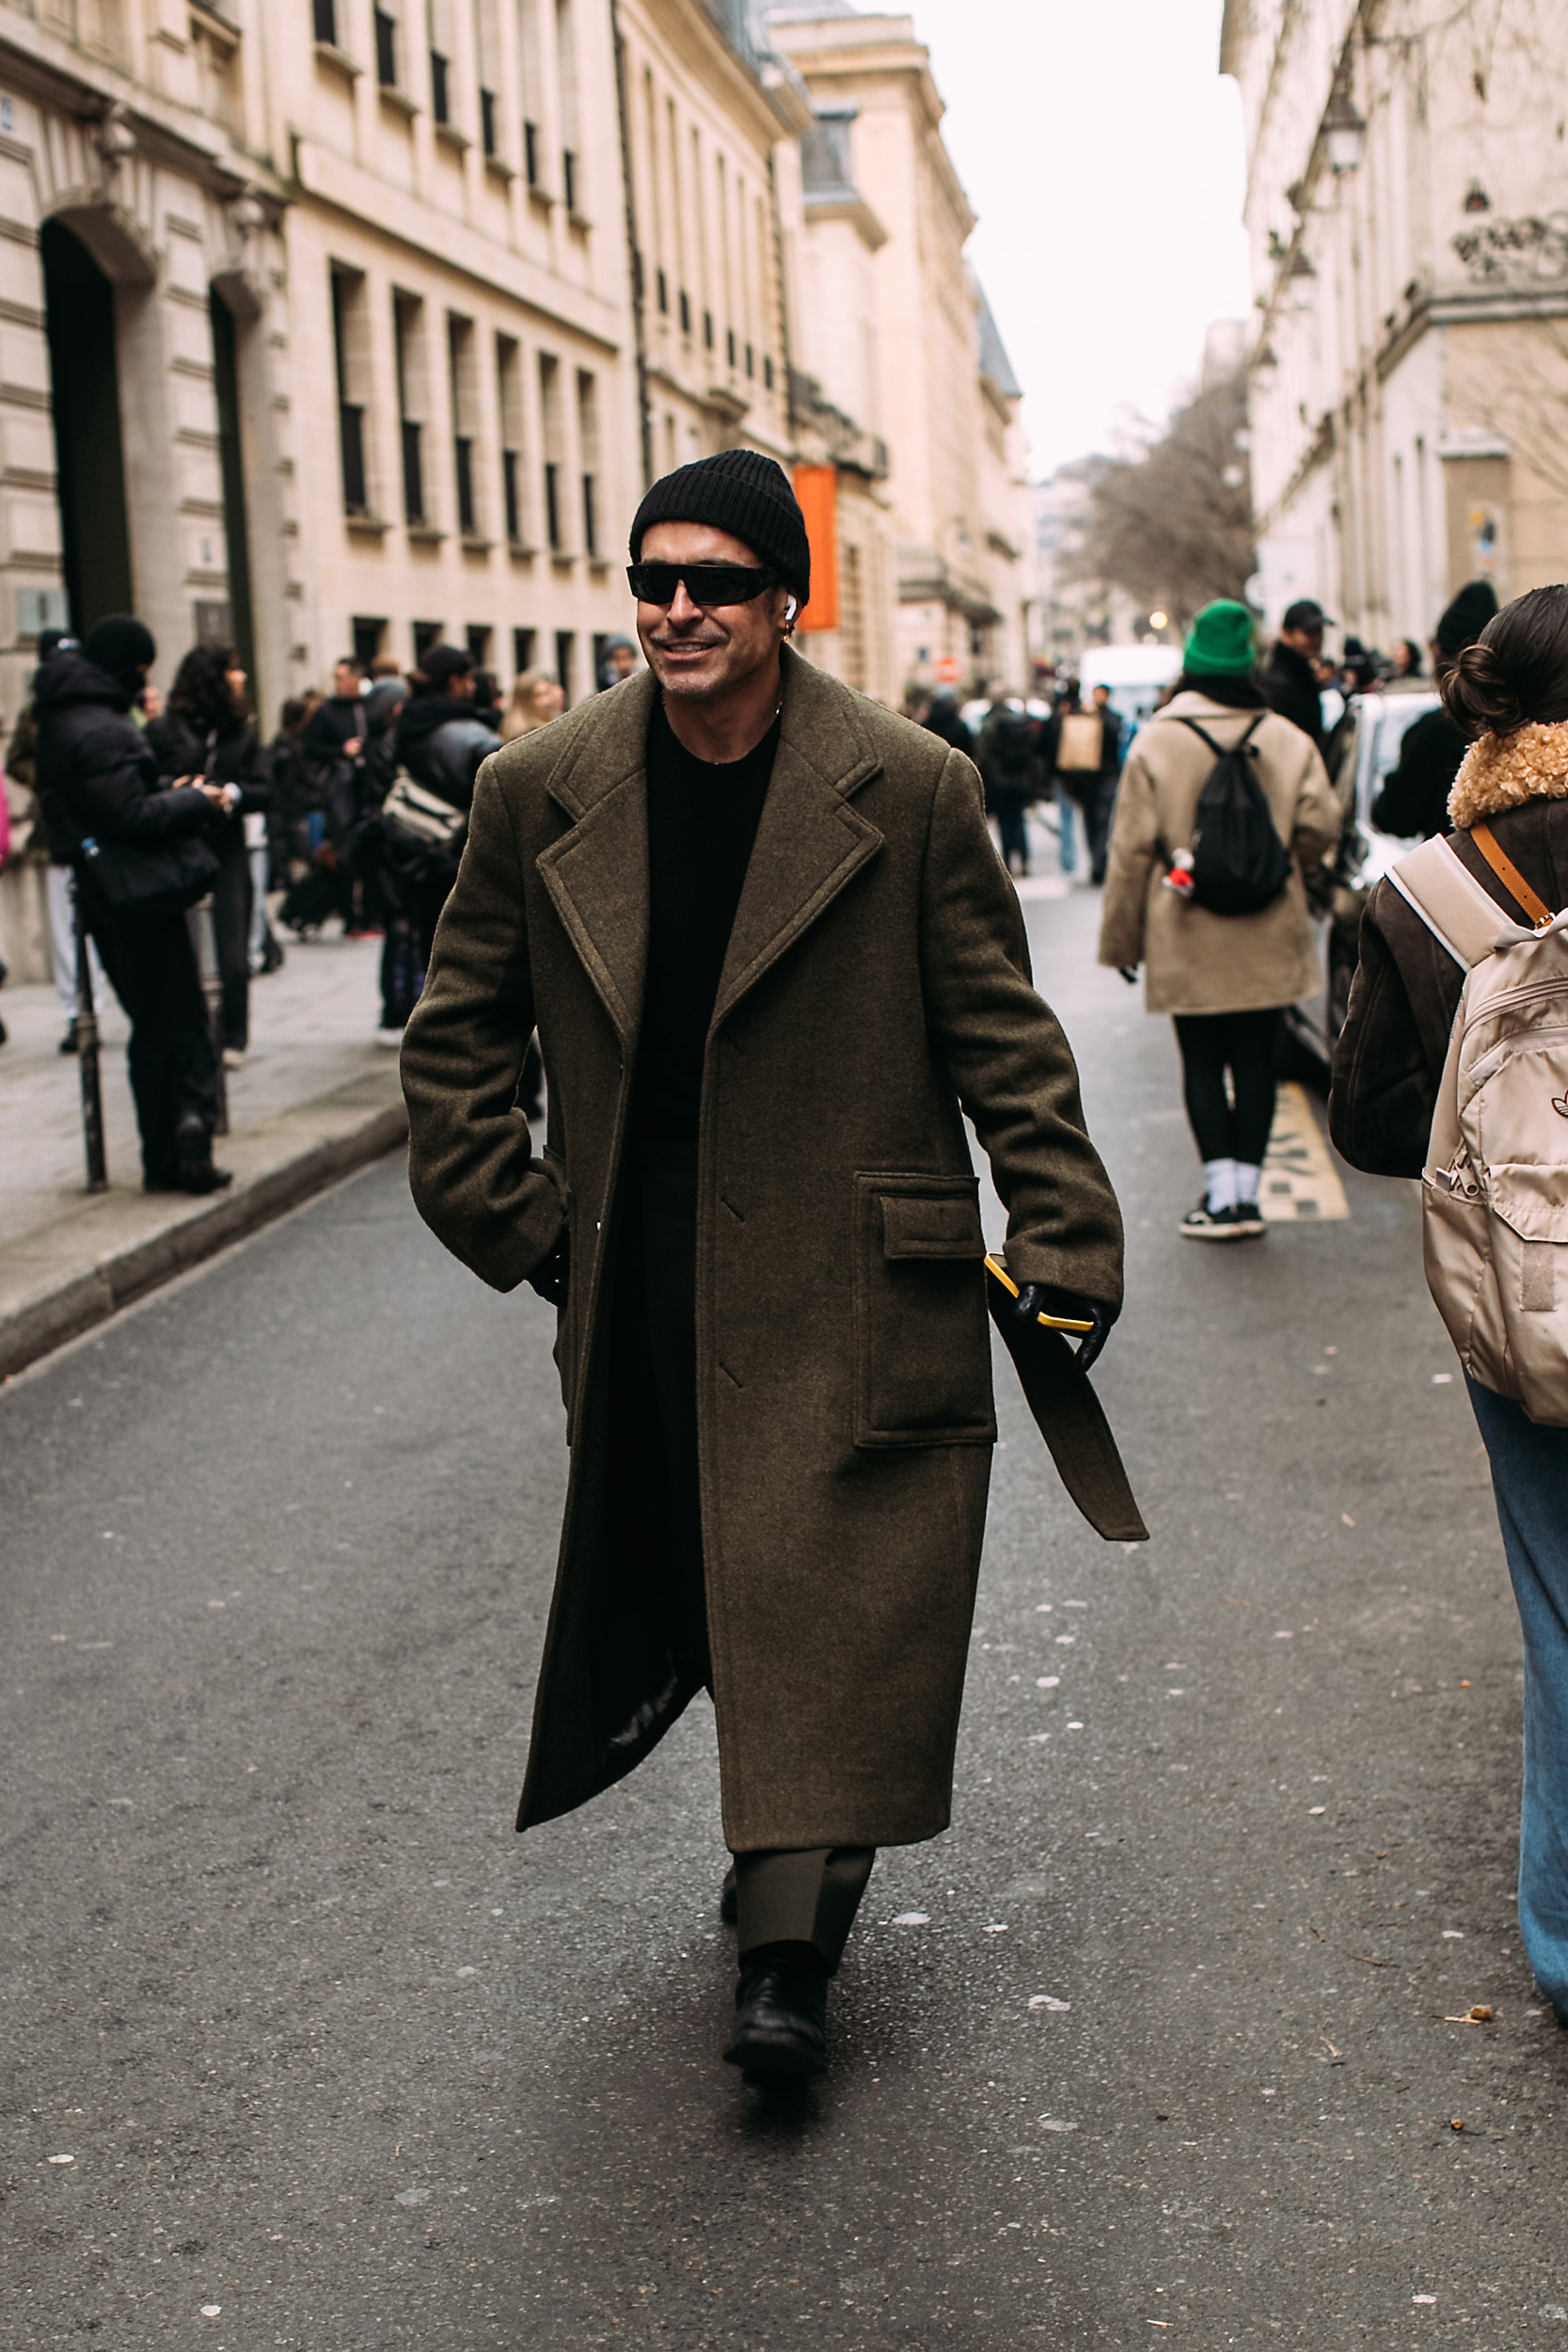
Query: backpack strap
point(1439, 887)
point(1243, 742)
point(1518, 889)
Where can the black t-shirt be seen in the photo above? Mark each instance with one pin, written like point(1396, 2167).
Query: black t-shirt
point(702, 818)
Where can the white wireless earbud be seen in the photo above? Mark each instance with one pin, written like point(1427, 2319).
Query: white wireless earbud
point(794, 607)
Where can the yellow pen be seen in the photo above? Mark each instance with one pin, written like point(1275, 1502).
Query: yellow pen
point(1051, 1323)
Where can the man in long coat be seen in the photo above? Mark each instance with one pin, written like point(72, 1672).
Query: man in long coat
point(773, 960)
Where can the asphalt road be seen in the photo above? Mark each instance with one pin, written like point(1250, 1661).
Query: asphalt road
point(304, 2047)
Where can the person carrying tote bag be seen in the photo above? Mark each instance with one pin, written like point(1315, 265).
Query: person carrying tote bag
point(1452, 1066)
point(141, 857)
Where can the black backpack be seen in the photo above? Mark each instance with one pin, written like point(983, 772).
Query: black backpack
point(1239, 865)
point(1010, 746)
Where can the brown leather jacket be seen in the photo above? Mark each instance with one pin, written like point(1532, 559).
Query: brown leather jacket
point(1390, 1054)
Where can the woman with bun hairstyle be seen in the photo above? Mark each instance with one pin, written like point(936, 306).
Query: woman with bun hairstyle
point(1507, 695)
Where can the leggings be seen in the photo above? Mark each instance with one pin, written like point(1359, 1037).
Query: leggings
point(1243, 1043)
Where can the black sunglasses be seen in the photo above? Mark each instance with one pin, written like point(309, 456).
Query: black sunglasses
point(706, 585)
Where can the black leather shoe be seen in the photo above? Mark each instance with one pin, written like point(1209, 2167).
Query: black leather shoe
point(728, 1898)
point(193, 1152)
point(781, 2021)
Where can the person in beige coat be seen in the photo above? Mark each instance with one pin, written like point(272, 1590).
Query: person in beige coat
point(1224, 979)
point(773, 958)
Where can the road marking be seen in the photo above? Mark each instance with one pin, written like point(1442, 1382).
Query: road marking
point(1300, 1178)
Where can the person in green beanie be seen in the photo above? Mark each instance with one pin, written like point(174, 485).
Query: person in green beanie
point(1224, 979)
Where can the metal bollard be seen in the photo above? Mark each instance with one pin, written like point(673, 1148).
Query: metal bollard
point(87, 1055)
point(204, 939)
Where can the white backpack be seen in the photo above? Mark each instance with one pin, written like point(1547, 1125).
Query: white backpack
point(1495, 1189)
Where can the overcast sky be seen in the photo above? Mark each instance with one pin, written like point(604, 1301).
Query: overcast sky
point(1103, 152)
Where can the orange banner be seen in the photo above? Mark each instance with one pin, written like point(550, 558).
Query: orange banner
point(817, 487)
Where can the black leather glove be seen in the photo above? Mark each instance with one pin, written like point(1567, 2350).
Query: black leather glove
point(553, 1274)
point(1042, 1298)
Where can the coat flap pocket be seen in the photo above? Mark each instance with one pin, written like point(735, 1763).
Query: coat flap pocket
point(914, 1227)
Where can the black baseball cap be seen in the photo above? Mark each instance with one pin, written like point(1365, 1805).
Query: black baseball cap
point(1309, 616)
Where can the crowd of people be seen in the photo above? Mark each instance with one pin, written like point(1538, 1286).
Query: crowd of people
point(141, 806)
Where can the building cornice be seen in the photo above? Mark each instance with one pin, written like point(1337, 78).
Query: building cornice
point(690, 42)
point(846, 204)
point(56, 75)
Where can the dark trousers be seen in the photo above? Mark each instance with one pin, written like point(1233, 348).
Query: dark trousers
point(231, 905)
point(1099, 809)
point(1245, 1043)
point(172, 1066)
point(1011, 804)
point(796, 1898)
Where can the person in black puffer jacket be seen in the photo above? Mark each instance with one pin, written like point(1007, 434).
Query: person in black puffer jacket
point(443, 746)
point(98, 781)
point(207, 730)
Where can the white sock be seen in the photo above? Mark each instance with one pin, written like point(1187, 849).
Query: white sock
point(1219, 1178)
point(1247, 1182)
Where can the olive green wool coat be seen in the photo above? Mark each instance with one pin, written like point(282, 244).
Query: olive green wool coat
point(877, 986)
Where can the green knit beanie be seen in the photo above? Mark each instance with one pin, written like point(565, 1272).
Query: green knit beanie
point(1220, 641)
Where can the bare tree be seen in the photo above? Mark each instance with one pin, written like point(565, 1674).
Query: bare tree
point(1172, 524)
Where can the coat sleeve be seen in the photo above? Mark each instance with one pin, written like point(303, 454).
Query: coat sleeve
point(471, 1165)
point(1319, 817)
point(113, 784)
point(1135, 846)
point(1388, 1059)
point(1010, 1064)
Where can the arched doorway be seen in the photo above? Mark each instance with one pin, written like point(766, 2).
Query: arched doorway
point(79, 314)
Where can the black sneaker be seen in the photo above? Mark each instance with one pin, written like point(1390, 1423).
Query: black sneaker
point(1247, 1219)
point(1206, 1224)
point(69, 1043)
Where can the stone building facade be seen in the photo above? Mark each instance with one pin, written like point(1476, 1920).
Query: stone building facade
point(1409, 370)
point(901, 326)
point(350, 326)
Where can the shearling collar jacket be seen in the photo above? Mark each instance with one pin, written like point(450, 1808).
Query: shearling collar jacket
point(876, 989)
point(1390, 1053)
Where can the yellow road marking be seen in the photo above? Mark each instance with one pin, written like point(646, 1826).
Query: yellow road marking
point(1300, 1178)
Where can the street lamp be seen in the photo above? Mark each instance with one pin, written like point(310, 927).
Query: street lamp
point(1345, 132)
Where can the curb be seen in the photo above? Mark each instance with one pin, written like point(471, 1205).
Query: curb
point(63, 1311)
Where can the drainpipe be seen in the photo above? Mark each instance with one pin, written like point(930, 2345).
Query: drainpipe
point(634, 253)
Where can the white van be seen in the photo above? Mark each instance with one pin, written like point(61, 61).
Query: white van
point(1138, 675)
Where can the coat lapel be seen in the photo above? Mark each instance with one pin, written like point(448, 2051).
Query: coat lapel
point(809, 842)
point(597, 873)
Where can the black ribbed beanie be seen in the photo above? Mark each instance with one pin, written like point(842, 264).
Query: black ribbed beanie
point(121, 644)
point(744, 493)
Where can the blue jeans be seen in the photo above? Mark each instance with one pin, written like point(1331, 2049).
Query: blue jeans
point(1066, 818)
point(1529, 1479)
